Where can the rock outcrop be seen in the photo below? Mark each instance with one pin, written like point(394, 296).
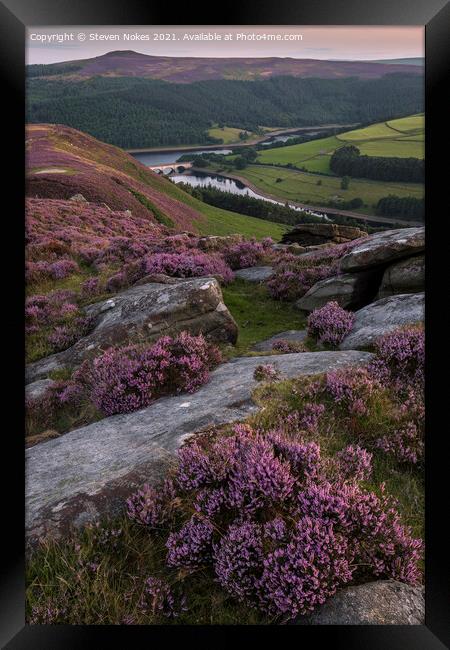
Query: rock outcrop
point(145, 313)
point(295, 249)
point(255, 273)
point(349, 290)
point(384, 316)
point(294, 336)
point(384, 602)
point(87, 472)
point(407, 276)
point(311, 234)
point(214, 243)
point(382, 265)
point(384, 248)
point(37, 389)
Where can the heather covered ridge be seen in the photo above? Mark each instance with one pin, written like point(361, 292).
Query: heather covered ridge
point(307, 481)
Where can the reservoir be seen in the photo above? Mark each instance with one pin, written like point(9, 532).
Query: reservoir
point(230, 185)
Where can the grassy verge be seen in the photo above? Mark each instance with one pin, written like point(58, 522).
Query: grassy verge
point(258, 316)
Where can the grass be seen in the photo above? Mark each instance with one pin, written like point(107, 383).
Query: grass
point(258, 316)
point(227, 134)
point(304, 188)
point(402, 137)
point(58, 569)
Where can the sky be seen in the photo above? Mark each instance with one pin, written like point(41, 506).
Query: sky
point(66, 43)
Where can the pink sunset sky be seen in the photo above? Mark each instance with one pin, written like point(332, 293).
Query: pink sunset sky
point(53, 44)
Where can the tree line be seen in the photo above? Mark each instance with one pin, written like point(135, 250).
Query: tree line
point(348, 161)
point(406, 207)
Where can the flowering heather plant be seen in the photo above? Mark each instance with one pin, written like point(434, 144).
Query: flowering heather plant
point(405, 445)
point(56, 319)
point(355, 463)
point(159, 598)
point(400, 356)
point(90, 287)
point(330, 324)
point(191, 546)
point(352, 388)
point(125, 379)
point(294, 275)
point(64, 336)
point(302, 574)
point(63, 268)
point(151, 507)
point(188, 265)
point(266, 372)
point(285, 346)
point(247, 253)
point(43, 411)
point(279, 529)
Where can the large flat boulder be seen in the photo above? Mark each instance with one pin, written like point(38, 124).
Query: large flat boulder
point(88, 472)
point(349, 290)
point(311, 234)
point(384, 602)
point(406, 276)
point(384, 316)
point(143, 314)
point(254, 273)
point(384, 248)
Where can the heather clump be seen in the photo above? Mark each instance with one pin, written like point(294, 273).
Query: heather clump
point(160, 599)
point(330, 324)
point(354, 462)
point(278, 527)
point(294, 275)
point(284, 346)
point(266, 372)
point(400, 356)
point(61, 405)
point(54, 322)
point(126, 379)
point(189, 264)
point(248, 253)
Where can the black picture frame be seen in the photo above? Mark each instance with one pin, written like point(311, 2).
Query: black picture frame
point(15, 15)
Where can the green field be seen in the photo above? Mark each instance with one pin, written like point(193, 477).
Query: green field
point(304, 188)
point(403, 138)
point(227, 133)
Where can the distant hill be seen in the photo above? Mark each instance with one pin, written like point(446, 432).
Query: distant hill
point(126, 63)
point(417, 61)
